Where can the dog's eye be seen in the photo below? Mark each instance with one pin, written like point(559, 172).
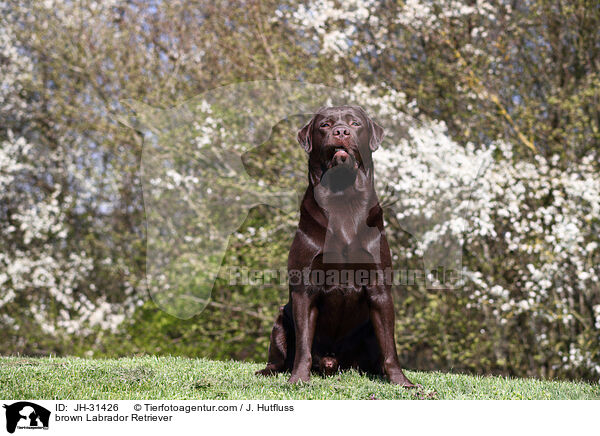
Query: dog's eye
point(355, 123)
point(325, 125)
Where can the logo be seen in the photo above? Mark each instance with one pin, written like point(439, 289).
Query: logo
point(26, 415)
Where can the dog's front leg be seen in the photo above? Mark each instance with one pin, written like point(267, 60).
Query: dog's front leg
point(305, 321)
point(382, 316)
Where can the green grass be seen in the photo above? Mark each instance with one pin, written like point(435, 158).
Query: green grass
point(180, 378)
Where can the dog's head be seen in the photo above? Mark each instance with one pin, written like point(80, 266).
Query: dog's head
point(339, 141)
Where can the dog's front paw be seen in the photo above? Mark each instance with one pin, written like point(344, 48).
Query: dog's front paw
point(296, 377)
point(269, 370)
point(402, 380)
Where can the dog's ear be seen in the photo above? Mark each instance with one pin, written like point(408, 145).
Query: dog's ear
point(376, 132)
point(376, 136)
point(305, 135)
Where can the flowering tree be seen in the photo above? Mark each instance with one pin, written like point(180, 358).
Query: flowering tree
point(45, 275)
point(530, 258)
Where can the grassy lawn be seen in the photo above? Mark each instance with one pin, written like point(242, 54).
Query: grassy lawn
point(180, 378)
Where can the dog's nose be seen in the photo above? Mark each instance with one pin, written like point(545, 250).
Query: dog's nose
point(340, 157)
point(341, 131)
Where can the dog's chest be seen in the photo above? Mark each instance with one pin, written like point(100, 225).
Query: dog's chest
point(349, 239)
point(346, 221)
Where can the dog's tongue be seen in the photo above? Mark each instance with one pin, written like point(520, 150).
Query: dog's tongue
point(341, 155)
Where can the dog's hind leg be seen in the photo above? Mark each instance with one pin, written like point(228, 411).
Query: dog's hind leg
point(279, 349)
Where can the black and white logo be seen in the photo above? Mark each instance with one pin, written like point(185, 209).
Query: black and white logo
point(26, 415)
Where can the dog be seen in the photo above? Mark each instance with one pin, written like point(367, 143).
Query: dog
point(339, 315)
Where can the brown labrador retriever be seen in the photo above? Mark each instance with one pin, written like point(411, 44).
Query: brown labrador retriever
point(340, 313)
